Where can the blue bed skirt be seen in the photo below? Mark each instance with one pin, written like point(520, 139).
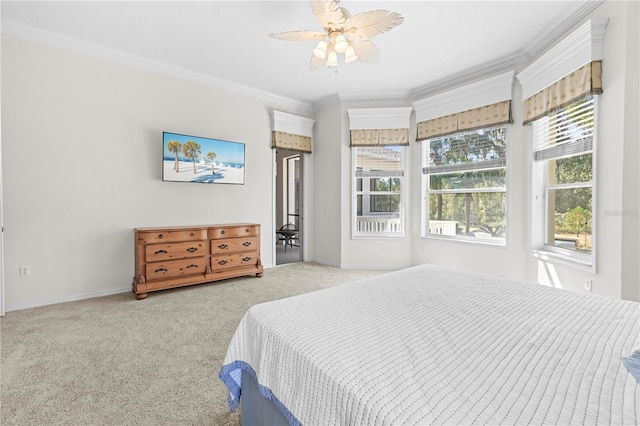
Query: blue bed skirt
point(259, 405)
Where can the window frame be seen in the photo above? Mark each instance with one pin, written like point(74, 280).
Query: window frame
point(355, 234)
point(540, 223)
point(426, 192)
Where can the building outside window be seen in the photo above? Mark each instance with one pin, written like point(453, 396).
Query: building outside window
point(464, 186)
point(378, 189)
point(564, 166)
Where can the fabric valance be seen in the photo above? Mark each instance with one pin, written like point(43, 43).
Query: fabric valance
point(486, 116)
point(585, 81)
point(379, 126)
point(379, 137)
point(291, 142)
point(291, 132)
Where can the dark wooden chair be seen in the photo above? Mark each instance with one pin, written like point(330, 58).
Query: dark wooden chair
point(288, 233)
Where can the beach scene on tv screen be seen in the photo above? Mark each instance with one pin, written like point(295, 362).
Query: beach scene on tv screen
point(203, 160)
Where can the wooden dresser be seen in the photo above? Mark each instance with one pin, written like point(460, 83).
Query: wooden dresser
point(186, 255)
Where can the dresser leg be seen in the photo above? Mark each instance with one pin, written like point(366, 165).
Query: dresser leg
point(259, 274)
point(141, 296)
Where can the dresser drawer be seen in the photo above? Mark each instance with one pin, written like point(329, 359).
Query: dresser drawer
point(233, 232)
point(176, 268)
point(158, 252)
point(233, 245)
point(171, 236)
point(219, 263)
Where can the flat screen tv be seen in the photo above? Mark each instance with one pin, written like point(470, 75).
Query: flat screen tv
point(187, 158)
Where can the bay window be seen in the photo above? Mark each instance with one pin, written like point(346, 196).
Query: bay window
point(564, 161)
point(464, 185)
point(379, 185)
point(561, 90)
point(379, 137)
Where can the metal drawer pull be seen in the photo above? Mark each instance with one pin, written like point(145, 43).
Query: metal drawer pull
point(246, 244)
point(246, 230)
point(160, 235)
point(192, 266)
point(191, 234)
point(246, 259)
point(160, 270)
point(222, 262)
point(223, 246)
point(161, 251)
point(223, 231)
point(192, 249)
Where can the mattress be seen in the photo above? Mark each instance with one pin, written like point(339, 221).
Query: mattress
point(436, 345)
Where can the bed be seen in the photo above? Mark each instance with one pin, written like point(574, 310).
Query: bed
point(436, 345)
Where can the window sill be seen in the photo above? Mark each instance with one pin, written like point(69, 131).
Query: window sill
point(496, 242)
point(575, 260)
point(377, 237)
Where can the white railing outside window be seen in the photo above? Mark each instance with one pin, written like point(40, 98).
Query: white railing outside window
point(443, 227)
point(378, 188)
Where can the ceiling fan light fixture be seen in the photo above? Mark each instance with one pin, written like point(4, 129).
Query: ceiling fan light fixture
point(332, 60)
point(343, 33)
point(341, 44)
point(350, 55)
point(320, 51)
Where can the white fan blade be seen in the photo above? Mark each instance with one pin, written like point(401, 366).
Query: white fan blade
point(317, 63)
point(328, 13)
point(371, 24)
point(365, 50)
point(346, 14)
point(299, 35)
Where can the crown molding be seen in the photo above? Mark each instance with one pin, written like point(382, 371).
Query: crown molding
point(584, 45)
point(379, 118)
point(480, 93)
point(519, 59)
point(381, 95)
point(579, 11)
point(20, 30)
point(468, 77)
point(562, 25)
point(289, 123)
point(327, 102)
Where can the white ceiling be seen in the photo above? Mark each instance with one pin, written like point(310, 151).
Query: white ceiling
point(440, 43)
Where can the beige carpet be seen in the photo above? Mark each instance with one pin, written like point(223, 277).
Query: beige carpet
point(119, 361)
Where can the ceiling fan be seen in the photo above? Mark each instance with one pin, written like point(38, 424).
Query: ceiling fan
point(343, 33)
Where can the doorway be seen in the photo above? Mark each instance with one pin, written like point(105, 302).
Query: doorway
point(289, 219)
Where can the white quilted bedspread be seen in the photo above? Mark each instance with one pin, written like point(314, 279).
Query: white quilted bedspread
point(434, 345)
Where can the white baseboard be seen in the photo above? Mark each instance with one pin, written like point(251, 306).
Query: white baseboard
point(68, 299)
point(373, 267)
point(325, 262)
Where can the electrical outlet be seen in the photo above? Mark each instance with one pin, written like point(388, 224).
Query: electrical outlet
point(587, 284)
point(25, 271)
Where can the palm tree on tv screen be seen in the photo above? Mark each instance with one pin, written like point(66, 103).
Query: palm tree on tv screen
point(174, 146)
point(212, 157)
point(191, 150)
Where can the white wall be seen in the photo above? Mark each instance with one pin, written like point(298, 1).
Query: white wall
point(631, 154)
point(618, 132)
point(327, 180)
point(82, 150)
point(374, 253)
point(81, 168)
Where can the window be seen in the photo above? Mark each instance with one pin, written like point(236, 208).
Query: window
point(378, 191)
point(464, 186)
point(564, 167)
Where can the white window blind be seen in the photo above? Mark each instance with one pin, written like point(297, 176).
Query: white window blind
point(566, 132)
point(476, 150)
